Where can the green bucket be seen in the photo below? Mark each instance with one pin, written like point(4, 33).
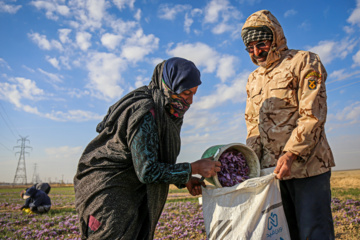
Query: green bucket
point(250, 156)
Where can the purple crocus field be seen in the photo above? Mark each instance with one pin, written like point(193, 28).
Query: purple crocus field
point(182, 218)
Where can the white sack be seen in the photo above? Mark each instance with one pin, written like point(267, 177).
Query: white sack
point(249, 210)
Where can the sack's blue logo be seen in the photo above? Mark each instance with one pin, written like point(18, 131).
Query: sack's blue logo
point(272, 221)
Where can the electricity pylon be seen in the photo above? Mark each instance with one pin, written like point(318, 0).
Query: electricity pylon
point(20, 174)
point(35, 178)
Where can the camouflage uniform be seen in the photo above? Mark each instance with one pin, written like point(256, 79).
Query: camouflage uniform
point(286, 105)
point(286, 112)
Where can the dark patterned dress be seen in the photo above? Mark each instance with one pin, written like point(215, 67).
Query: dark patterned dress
point(144, 151)
point(123, 175)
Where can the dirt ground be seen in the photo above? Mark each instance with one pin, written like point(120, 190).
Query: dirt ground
point(345, 179)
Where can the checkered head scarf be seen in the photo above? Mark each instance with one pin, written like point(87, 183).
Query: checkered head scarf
point(252, 34)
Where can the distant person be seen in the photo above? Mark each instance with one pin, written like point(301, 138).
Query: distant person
point(123, 176)
point(285, 117)
point(36, 200)
point(45, 187)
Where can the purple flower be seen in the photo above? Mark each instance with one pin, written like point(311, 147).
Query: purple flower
point(234, 168)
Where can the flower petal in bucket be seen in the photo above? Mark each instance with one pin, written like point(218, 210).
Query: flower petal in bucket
point(234, 168)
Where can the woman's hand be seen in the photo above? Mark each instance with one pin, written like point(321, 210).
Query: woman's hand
point(206, 167)
point(194, 186)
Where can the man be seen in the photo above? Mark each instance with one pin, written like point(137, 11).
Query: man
point(36, 200)
point(285, 117)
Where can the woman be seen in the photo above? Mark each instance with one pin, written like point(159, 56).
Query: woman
point(123, 176)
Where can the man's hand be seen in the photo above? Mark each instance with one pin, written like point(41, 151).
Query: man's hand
point(283, 166)
point(194, 186)
point(206, 167)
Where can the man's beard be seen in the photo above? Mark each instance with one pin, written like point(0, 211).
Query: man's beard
point(261, 55)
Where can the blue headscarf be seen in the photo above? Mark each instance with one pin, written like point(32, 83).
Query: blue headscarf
point(180, 74)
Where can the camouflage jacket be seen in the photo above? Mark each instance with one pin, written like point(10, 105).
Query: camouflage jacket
point(286, 106)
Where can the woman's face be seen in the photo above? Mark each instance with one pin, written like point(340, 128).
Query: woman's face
point(188, 95)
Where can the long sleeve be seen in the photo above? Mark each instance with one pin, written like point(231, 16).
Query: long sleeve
point(27, 202)
point(144, 151)
point(312, 107)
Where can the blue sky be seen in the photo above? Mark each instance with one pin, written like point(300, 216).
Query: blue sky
point(64, 62)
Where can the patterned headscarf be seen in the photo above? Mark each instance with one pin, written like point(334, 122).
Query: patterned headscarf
point(253, 34)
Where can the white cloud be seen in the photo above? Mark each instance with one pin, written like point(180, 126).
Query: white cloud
point(139, 45)
point(355, 15)
point(19, 89)
point(305, 25)
point(4, 64)
point(235, 92)
point(96, 9)
point(199, 53)
point(105, 74)
point(214, 9)
point(337, 74)
point(223, 15)
point(87, 14)
point(121, 27)
point(83, 40)
point(156, 61)
point(350, 114)
point(53, 61)
point(221, 28)
point(44, 43)
point(187, 23)
point(54, 78)
point(30, 109)
point(121, 3)
point(111, 41)
point(356, 59)
point(28, 88)
point(348, 30)
point(64, 35)
point(329, 50)
point(77, 93)
point(63, 152)
point(250, 2)
point(72, 115)
point(226, 67)
point(137, 15)
point(8, 8)
point(289, 13)
point(51, 8)
point(141, 81)
point(204, 56)
point(169, 12)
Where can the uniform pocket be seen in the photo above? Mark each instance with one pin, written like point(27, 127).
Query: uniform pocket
point(284, 91)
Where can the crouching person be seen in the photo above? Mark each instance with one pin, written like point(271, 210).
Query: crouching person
point(37, 201)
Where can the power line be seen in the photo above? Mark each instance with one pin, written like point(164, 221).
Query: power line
point(5, 147)
point(6, 121)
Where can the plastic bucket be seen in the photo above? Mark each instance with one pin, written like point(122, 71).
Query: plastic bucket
point(250, 156)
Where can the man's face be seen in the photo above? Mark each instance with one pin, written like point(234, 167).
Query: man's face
point(258, 50)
